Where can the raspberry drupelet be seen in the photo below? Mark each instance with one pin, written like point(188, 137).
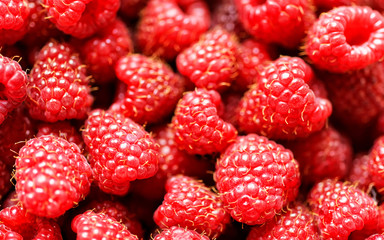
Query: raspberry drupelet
point(346, 38)
point(256, 178)
point(176, 233)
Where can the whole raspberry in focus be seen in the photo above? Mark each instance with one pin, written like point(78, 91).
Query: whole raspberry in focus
point(197, 125)
point(58, 86)
point(13, 82)
point(13, 21)
point(324, 154)
point(132, 8)
point(152, 90)
point(51, 176)
point(211, 62)
point(282, 105)
point(90, 225)
point(177, 233)
point(340, 209)
point(81, 18)
point(120, 150)
point(102, 51)
point(256, 178)
point(166, 27)
point(376, 164)
point(275, 21)
point(346, 38)
point(296, 222)
point(190, 204)
point(359, 173)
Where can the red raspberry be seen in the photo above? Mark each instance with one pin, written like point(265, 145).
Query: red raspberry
point(282, 105)
point(58, 87)
point(231, 102)
point(211, 62)
point(81, 18)
point(340, 208)
point(132, 8)
point(296, 222)
point(376, 164)
point(197, 125)
point(190, 204)
point(177, 233)
point(166, 27)
point(152, 91)
point(282, 22)
point(374, 4)
point(359, 173)
point(51, 176)
point(13, 21)
point(324, 154)
point(346, 38)
point(326, 5)
point(256, 177)
point(7, 233)
point(90, 225)
point(13, 84)
point(376, 237)
point(5, 179)
point(102, 51)
point(120, 150)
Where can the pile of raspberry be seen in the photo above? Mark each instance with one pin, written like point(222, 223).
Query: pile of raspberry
point(191, 119)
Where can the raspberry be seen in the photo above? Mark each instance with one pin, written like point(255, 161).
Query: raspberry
point(275, 21)
point(51, 176)
point(152, 91)
point(13, 84)
point(346, 38)
point(120, 150)
point(7, 233)
point(231, 102)
point(376, 237)
point(340, 208)
point(90, 225)
point(359, 173)
point(102, 51)
point(190, 204)
point(132, 8)
point(376, 164)
point(81, 18)
point(326, 5)
point(256, 178)
point(176, 233)
point(296, 222)
point(5, 177)
point(282, 105)
point(324, 154)
point(58, 87)
point(197, 125)
point(211, 62)
point(166, 27)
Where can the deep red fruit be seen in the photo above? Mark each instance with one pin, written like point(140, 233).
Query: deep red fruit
point(256, 178)
point(359, 173)
point(326, 5)
point(190, 204)
point(7, 233)
point(51, 176)
point(346, 38)
point(376, 237)
point(376, 164)
point(5, 179)
point(166, 27)
point(13, 21)
point(177, 233)
point(132, 8)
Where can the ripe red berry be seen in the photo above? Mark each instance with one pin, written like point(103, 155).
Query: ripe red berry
point(376, 164)
point(7, 233)
point(132, 8)
point(376, 237)
point(13, 21)
point(176, 233)
point(359, 173)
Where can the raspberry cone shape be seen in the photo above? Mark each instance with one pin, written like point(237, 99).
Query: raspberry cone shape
point(376, 164)
point(81, 18)
point(282, 104)
point(90, 225)
point(152, 91)
point(340, 208)
point(296, 222)
point(176, 233)
point(211, 62)
point(197, 125)
point(120, 150)
point(13, 21)
point(167, 27)
point(52, 176)
point(256, 178)
point(58, 86)
point(346, 38)
point(282, 22)
point(190, 204)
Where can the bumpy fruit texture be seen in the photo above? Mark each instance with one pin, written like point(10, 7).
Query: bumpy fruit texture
point(167, 27)
point(13, 21)
point(120, 150)
point(176, 233)
point(90, 225)
point(197, 125)
point(81, 18)
point(152, 90)
point(376, 237)
point(282, 104)
point(340, 208)
point(190, 204)
point(296, 222)
point(7, 233)
point(51, 175)
point(284, 22)
point(359, 172)
point(58, 86)
point(346, 38)
point(256, 178)
point(376, 164)
point(211, 62)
